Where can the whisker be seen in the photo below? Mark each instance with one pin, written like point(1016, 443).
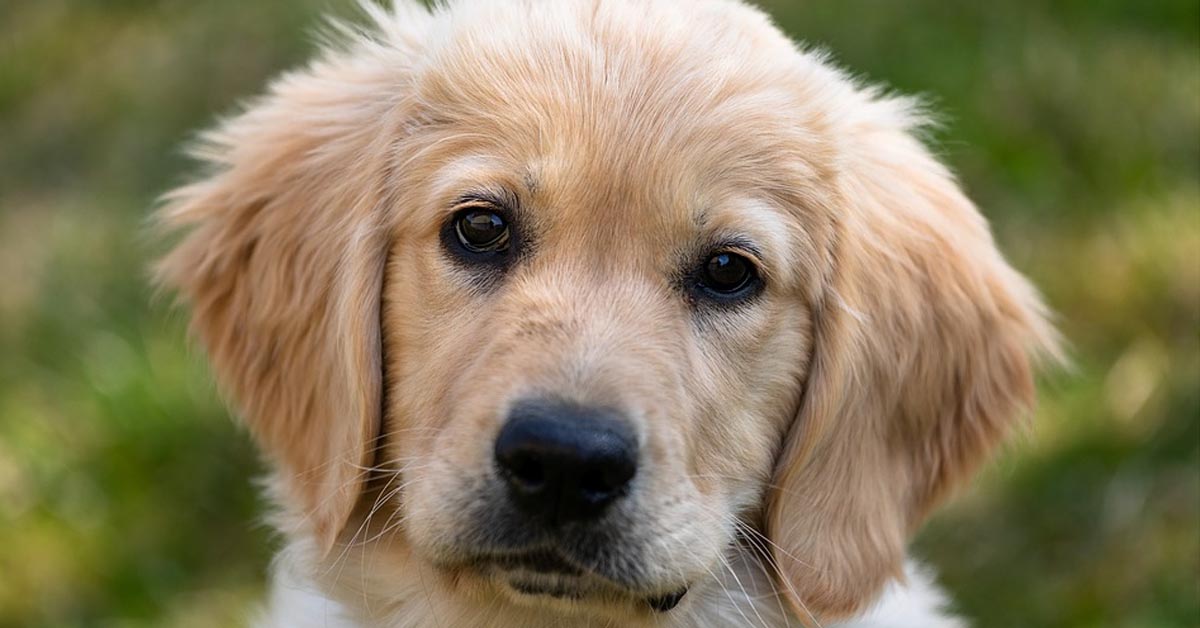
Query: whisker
point(754, 536)
point(745, 593)
point(717, 580)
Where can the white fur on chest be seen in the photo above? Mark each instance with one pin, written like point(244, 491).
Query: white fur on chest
point(741, 598)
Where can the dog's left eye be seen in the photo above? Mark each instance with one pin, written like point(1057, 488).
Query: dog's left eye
point(727, 272)
point(727, 275)
point(482, 231)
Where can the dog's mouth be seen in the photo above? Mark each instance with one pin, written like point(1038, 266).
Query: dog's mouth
point(546, 573)
point(542, 561)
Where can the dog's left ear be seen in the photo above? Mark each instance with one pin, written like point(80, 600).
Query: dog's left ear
point(282, 265)
point(925, 342)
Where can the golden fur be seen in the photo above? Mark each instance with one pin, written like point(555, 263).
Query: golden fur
point(888, 354)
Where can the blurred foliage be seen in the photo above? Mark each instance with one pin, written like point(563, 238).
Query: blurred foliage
point(125, 493)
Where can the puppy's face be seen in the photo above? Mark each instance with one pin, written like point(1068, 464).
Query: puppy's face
point(593, 354)
point(577, 295)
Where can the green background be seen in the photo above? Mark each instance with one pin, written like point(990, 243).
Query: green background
point(125, 492)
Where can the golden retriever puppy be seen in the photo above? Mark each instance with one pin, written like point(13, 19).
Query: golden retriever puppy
point(597, 313)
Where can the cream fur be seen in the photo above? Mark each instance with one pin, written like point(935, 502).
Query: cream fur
point(296, 603)
point(792, 444)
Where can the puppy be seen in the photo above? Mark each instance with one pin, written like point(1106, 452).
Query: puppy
point(597, 313)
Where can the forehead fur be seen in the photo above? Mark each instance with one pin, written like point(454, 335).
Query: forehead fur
point(666, 117)
point(633, 87)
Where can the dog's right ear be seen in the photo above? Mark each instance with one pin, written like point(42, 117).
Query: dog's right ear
point(282, 262)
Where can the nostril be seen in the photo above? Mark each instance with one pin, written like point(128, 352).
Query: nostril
point(595, 484)
point(526, 471)
point(606, 479)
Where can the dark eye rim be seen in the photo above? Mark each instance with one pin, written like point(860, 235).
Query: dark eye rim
point(464, 253)
point(749, 287)
point(498, 245)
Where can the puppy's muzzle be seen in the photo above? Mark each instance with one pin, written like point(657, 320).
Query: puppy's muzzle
point(564, 462)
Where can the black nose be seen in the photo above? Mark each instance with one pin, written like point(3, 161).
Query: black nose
point(563, 461)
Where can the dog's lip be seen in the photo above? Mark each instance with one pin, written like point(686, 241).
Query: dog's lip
point(559, 589)
point(552, 574)
point(562, 589)
point(665, 603)
point(542, 561)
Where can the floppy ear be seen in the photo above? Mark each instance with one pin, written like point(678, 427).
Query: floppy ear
point(922, 359)
point(282, 265)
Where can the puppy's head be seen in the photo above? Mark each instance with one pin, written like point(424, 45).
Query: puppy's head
point(583, 295)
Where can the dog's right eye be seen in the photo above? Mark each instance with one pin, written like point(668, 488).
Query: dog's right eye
point(480, 230)
point(482, 236)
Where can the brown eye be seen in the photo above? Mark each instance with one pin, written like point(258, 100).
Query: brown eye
point(482, 231)
point(728, 274)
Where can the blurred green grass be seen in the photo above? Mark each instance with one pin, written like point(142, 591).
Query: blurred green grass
point(125, 497)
